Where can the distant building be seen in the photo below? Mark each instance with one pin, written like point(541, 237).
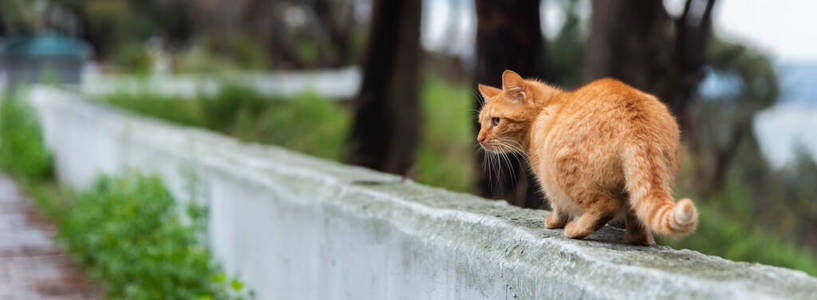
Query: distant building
point(46, 58)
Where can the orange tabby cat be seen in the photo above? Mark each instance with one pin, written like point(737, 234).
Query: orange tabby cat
point(602, 152)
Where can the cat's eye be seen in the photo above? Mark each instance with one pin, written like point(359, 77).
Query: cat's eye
point(495, 121)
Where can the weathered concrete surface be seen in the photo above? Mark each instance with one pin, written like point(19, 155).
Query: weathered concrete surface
point(296, 227)
point(31, 264)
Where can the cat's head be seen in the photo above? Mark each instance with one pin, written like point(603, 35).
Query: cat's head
point(508, 113)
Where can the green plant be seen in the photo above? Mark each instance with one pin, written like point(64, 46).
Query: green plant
point(134, 57)
point(22, 147)
point(182, 112)
point(445, 157)
point(130, 234)
point(307, 123)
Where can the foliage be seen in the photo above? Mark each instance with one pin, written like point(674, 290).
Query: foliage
point(306, 123)
point(134, 58)
point(110, 24)
point(444, 158)
point(18, 16)
point(565, 52)
point(214, 55)
point(22, 149)
point(128, 232)
point(182, 112)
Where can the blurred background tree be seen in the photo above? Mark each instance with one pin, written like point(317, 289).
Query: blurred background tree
point(508, 37)
point(385, 134)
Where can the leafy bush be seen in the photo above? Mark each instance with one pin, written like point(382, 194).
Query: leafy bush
point(134, 57)
point(182, 112)
point(22, 148)
point(129, 233)
point(307, 123)
point(445, 154)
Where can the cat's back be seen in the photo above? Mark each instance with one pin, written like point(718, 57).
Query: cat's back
point(610, 101)
point(609, 93)
point(605, 114)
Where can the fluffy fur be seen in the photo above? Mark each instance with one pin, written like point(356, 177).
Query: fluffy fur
point(601, 152)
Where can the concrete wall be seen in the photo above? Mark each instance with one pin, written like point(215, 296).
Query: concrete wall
point(296, 227)
point(333, 84)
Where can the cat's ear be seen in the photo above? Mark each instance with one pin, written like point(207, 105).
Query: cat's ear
point(513, 85)
point(488, 91)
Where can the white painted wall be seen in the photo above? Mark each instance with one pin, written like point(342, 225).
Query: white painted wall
point(296, 227)
point(334, 84)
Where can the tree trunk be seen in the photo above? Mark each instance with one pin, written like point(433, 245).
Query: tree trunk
point(509, 36)
point(628, 41)
point(385, 133)
point(335, 21)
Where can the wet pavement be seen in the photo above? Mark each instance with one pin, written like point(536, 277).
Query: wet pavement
point(31, 264)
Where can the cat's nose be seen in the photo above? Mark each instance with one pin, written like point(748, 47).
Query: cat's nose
point(480, 138)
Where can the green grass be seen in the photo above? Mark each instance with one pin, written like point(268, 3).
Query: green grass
point(307, 123)
point(22, 149)
point(444, 158)
point(319, 126)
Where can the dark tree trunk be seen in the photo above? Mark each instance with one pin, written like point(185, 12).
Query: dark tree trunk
point(692, 36)
point(3, 26)
point(509, 36)
point(628, 41)
point(385, 133)
point(633, 42)
point(335, 18)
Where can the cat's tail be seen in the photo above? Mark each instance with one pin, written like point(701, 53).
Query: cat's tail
point(648, 181)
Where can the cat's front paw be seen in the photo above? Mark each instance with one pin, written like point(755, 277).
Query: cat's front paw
point(572, 231)
point(555, 221)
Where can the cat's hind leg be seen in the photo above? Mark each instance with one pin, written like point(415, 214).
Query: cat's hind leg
point(598, 210)
point(637, 233)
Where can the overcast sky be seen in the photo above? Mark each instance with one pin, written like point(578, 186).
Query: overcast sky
point(786, 29)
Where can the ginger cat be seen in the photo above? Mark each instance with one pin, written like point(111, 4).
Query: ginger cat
point(604, 151)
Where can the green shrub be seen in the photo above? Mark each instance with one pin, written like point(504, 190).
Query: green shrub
point(129, 233)
point(22, 147)
point(445, 155)
point(307, 123)
point(134, 57)
point(182, 112)
point(220, 111)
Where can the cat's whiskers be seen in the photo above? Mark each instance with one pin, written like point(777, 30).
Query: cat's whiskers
point(509, 149)
point(497, 158)
point(480, 98)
